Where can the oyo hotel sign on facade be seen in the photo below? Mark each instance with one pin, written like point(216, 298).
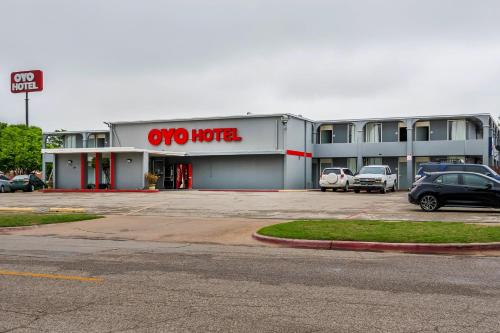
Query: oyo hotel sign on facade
point(181, 135)
point(26, 81)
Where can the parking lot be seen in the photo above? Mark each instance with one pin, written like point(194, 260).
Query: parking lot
point(249, 205)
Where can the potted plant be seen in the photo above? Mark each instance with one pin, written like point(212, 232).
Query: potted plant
point(151, 180)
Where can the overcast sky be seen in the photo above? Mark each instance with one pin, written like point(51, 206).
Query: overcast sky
point(110, 60)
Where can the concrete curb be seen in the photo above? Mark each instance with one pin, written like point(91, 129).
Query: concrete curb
point(376, 246)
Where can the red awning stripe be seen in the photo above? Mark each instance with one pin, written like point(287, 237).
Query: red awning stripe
point(298, 153)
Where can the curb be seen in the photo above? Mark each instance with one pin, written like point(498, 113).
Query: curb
point(96, 191)
point(423, 248)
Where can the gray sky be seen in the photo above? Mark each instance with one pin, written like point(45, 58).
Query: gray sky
point(110, 60)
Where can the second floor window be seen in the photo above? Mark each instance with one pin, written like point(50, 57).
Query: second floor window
point(373, 132)
point(326, 134)
point(70, 141)
point(457, 129)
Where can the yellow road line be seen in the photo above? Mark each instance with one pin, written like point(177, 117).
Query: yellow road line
point(52, 276)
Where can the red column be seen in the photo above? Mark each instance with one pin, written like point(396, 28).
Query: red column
point(96, 170)
point(83, 166)
point(190, 176)
point(112, 170)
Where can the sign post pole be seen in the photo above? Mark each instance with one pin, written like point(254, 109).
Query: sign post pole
point(27, 110)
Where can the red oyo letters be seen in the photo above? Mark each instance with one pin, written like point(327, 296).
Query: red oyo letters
point(181, 135)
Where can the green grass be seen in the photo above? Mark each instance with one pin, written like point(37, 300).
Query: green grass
point(384, 231)
point(19, 220)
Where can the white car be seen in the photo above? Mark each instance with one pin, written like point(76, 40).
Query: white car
point(375, 178)
point(336, 178)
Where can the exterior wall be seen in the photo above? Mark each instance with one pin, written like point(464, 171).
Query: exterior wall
point(298, 169)
point(260, 159)
point(238, 172)
point(67, 176)
point(129, 176)
point(258, 134)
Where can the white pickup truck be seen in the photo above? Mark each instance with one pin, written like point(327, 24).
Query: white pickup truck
point(375, 178)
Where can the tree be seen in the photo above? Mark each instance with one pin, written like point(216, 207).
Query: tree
point(20, 148)
point(55, 141)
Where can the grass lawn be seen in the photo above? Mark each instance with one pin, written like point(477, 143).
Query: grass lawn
point(19, 220)
point(384, 231)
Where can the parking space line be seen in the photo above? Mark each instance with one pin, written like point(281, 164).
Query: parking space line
point(51, 276)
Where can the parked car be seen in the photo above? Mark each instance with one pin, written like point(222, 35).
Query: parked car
point(442, 167)
point(438, 189)
point(26, 183)
point(375, 178)
point(4, 184)
point(336, 178)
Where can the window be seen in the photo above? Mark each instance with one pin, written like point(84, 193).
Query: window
point(403, 137)
point(373, 161)
point(475, 181)
point(329, 171)
point(456, 129)
point(369, 170)
point(325, 163)
point(422, 131)
point(449, 179)
point(352, 164)
point(70, 141)
point(477, 169)
point(348, 172)
point(373, 132)
point(326, 134)
point(351, 133)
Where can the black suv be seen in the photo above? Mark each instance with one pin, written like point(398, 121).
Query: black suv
point(469, 189)
point(442, 167)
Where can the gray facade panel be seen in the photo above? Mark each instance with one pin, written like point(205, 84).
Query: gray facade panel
point(258, 134)
point(238, 172)
point(68, 175)
point(129, 176)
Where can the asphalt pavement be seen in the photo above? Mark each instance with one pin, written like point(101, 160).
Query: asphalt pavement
point(64, 284)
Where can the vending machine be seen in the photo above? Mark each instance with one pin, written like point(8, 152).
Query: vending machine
point(183, 176)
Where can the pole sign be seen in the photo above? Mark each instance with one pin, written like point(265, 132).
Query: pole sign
point(26, 81)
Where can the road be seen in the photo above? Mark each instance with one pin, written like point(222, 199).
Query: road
point(118, 286)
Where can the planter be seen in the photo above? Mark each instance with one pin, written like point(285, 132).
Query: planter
point(151, 187)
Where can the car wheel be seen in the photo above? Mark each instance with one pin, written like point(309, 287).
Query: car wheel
point(393, 189)
point(323, 189)
point(346, 187)
point(368, 191)
point(32, 188)
point(334, 189)
point(429, 203)
point(2, 189)
point(356, 191)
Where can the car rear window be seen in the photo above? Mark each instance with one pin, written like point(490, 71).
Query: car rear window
point(329, 171)
point(20, 178)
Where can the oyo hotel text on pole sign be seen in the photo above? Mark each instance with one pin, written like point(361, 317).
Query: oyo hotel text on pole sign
point(26, 81)
point(181, 135)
